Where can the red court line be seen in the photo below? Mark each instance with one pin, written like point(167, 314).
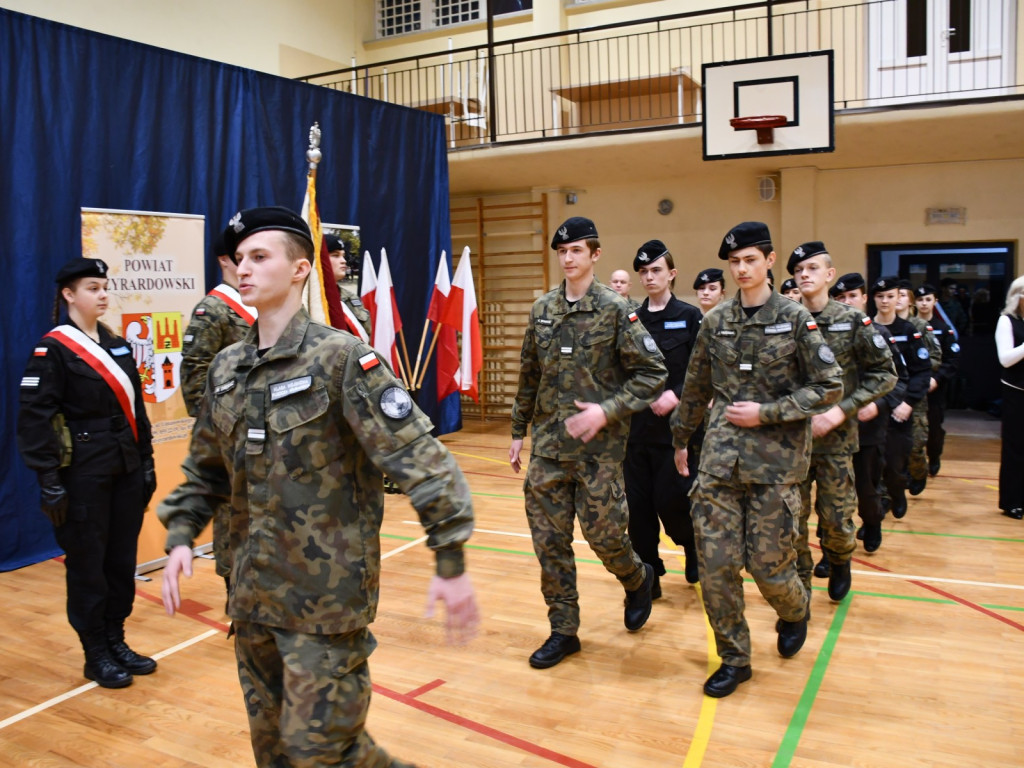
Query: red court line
point(947, 595)
point(190, 608)
point(485, 730)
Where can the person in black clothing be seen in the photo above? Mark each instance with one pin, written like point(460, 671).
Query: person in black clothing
point(654, 488)
point(925, 298)
point(1010, 348)
point(82, 427)
point(872, 425)
point(899, 441)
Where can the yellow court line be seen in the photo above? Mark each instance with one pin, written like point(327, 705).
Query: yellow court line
point(709, 705)
point(503, 462)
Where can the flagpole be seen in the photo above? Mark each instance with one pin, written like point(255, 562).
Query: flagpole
point(426, 363)
point(401, 337)
point(419, 352)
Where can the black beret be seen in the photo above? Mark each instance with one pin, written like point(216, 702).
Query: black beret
point(79, 267)
point(885, 283)
point(904, 284)
point(217, 247)
point(335, 243)
point(648, 253)
point(253, 220)
point(805, 251)
point(925, 289)
point(851, 281)
point(743, 236)
point(788, 284)
point(573, 229)
point(708, 276)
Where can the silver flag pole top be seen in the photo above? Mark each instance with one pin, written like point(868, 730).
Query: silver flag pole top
point(313, 154)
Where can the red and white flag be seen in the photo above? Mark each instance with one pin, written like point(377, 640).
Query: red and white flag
point(461, 313)
point(447, 347)
point(388, 322)
point(368, 288)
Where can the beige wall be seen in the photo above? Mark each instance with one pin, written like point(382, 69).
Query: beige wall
point(285, 38)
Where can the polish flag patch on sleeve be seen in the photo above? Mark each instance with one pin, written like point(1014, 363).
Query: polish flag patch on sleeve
point(866, 320)
point(632, 317)
point(39, 352)
point(811, 325)
point(368, 361)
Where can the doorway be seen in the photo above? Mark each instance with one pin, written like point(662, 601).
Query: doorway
point(972, 279)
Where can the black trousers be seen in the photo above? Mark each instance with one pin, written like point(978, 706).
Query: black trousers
point(655, 492)
point(936, 415)
point(868, 465)
point(899, 442)
point(1011, 457)
point(100, 541)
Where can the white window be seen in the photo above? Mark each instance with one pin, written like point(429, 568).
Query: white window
point(399, 17)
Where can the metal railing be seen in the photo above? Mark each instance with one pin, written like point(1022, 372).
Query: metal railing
point(647, 74)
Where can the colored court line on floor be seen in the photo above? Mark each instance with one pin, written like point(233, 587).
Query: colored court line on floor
point(941, 534)
point(482, 458)
point(798, 722)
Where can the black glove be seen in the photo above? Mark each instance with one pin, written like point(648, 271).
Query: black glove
point(148, 480)
point(53, 498)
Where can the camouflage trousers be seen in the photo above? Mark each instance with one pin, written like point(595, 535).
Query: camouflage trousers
point(835, 499)
point(307, 697)
point(917, 465)
point(747, 525)
point(559, 492)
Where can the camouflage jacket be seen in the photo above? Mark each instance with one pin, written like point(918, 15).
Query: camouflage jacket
point(931, 343)
point(777, 358)
point(868, 371)
point(594, 351)
point(297, 441)
point(214, 325)
point(359, 309)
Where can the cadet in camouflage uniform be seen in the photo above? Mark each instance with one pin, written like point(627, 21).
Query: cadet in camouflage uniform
point(868, 374)
point(925, 299)
point(872, 427)
point(765, 364)
point(899, 440)
point(298, 422)
point(218, 321)
point(338, 252)
point(587, 365)
point(917, 466)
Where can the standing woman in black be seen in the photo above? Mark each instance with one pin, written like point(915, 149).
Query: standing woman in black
point(1010, 348)
point(655, 491)
point(82, 427)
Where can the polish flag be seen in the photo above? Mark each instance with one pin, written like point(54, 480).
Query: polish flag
point(388, 322)
point(368, 287)
point(447, 347)
point(461, 313)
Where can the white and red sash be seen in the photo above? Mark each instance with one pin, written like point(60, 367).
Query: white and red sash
point(233, 299)
point(353, 323)
point(100, 361)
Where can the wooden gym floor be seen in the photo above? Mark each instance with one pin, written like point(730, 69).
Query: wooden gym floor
point(921, 666)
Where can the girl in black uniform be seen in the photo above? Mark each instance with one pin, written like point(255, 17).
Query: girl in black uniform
point(654, 488)
point(82, 427)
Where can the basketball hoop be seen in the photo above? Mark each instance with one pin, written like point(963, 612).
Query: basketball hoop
point(765, 126)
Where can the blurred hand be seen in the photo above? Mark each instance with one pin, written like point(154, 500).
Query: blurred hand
point(681, 462)
point(462, 614)
point(513, 455)
point(53, 498)
point(587, 423)
point(178, 561)
point(744, 414)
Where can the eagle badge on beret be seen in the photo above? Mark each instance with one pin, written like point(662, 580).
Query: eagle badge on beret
point(798, 251)
point(841, 286)
point(563, 233)
point(730, 239)
point(236, 222)
point(704, 277)
point(642, 256)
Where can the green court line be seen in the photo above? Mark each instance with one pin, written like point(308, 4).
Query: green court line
point(499, 495)
point(803, 708)
point(953, 535)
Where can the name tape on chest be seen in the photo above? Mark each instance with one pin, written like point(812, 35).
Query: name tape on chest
point(901, 339)
point(282, 389)
point(672, 325)
point(227, 386)
point(544, 321)
point(777, 328)
point(119, 351)
point(725, 332)
point(836, 327)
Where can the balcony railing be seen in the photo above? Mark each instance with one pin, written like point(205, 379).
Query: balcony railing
point(647, 74)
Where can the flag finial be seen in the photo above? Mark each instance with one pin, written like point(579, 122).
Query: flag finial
point(313, 154)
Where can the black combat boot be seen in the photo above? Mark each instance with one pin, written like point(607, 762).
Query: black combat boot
point(638, 602)
point(101, 666)
point(125, 656)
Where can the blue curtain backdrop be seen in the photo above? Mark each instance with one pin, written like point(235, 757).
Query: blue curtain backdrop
point(88, 120)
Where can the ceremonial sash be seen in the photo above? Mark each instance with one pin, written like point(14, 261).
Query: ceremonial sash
point(353, 323)
point(233, 299)
point(100, 361)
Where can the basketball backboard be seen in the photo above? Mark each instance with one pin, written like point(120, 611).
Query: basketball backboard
point(745, 101)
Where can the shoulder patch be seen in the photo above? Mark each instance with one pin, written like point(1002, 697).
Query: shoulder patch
point(200, 311)
point(39, 352)
point(922, 353)
point(954, 347)
point(649, 344)
point(826, 355)
point(30, 382)
point(395, 403)
point(866, 320)
point(812, 325)
point(189, 338)
point(368, 361)
point(878, 340)
point(632, 317)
